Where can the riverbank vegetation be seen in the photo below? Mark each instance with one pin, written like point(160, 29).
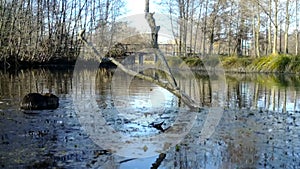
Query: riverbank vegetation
point(266, 64)
point(41, 32)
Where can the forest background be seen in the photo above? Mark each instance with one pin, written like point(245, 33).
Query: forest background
point(258, 34)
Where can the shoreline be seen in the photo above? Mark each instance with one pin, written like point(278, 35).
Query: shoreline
point(229, 64)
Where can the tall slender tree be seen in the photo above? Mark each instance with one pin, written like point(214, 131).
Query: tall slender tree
point(287, 24)
point(297, 28)
point(276, 8)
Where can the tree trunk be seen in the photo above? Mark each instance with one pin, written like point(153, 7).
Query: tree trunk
point(257, 36)
point(168, 86)
point(239, 40)
point(151, 21)
point(154, 36)
point(270, 28)
point(205, 29)
point(211, 39)
point(192, 28)
point(181, 26)
point(297, 27)
point(230, 36)
point(287, 24)
point(197, 30)
point(274, 50)
point(185, 24)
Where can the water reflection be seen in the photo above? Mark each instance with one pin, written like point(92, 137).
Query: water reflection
point(126, 114)
point(266, 92)
point(259, 127)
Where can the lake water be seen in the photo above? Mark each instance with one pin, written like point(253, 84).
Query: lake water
point(105, 120)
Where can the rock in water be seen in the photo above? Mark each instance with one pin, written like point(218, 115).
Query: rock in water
point(36, 101)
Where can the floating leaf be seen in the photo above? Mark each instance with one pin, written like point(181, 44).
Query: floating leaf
point(177, 147)
point(145, 148)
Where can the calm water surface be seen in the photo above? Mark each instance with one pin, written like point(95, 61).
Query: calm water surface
point(259, 126)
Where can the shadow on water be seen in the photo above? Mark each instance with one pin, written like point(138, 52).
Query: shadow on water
point(259, 127)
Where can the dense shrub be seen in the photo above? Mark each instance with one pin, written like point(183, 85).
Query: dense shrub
point(267, 64)
point(272, 63)
point(193, 62)
point(233, 62)
point(294, 65)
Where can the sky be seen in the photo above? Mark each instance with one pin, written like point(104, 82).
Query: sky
point(135, 6)
point(136, 18)
point(138, 6)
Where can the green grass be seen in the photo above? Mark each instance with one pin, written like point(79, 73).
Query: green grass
point(172, 61)
point(192, 62)
point(211, 61)
point(267, 64)
point(294, 65)
point(233, 62)
point(272, 63)
point(182, 62)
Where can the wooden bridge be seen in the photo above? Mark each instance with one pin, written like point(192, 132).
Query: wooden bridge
point(165, 48)
point(137, 53)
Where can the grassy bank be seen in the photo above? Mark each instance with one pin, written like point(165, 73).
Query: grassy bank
point(265, 64)
point(280, 63)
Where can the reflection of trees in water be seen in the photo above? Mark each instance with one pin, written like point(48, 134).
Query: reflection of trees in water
point(196, 84)
point(198, 87)
point(103, 78)
point(248, 91)
point(271, 92)
point(103, 81)
point(36, 80)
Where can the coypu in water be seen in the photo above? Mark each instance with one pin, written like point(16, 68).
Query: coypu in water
point(36, 101)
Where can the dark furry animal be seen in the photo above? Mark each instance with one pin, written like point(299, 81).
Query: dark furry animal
point(36, 101)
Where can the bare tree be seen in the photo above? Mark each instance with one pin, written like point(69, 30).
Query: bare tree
point(170, 86)
point(270, 26)
point(154, 36)
point(256, 29)
point(151, 21)
point(205, 28)
point(297, 27)
point(197, 32)
point(276, 6)
point(287, 24)
point(40, 30)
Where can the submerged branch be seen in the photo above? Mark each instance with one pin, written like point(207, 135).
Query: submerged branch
point(176, 91)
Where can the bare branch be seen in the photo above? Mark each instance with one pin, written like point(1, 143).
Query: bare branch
point(176, 91)
point(265, 11)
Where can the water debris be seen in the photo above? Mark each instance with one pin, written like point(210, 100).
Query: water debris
point(158, 126)
point(98, 153)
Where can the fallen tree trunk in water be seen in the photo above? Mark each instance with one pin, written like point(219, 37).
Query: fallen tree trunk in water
point(168, 86)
